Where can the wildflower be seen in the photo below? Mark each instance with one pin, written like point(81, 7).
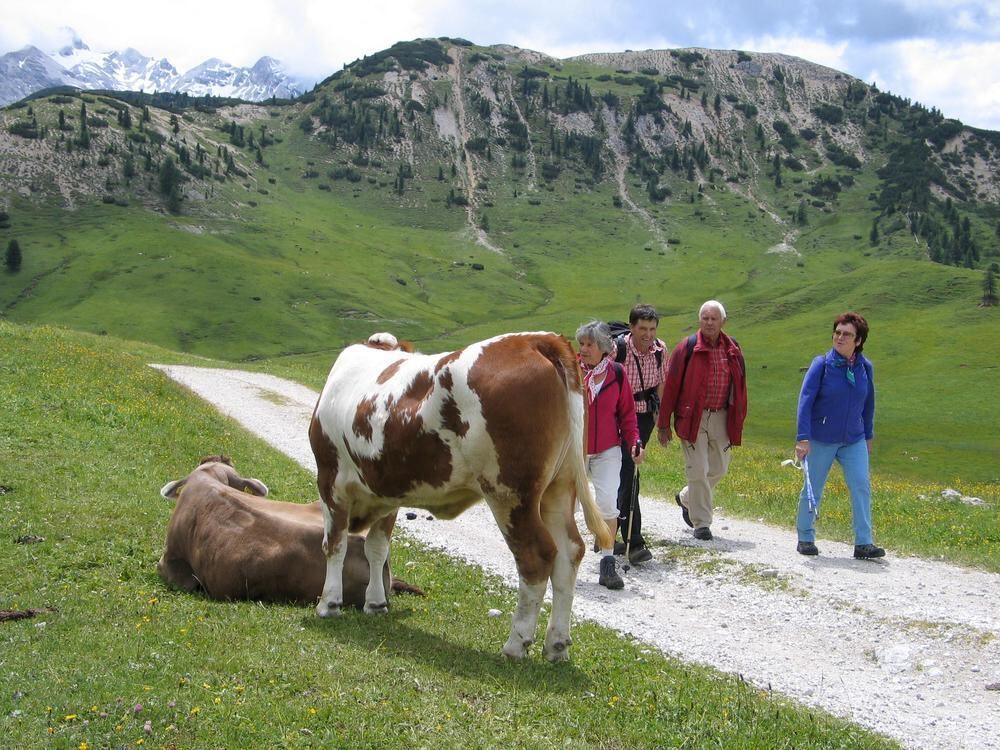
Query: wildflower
point(82, 746)
point(138, 708)
point(70, 717)
point(195, 711)
point(148, 727)
point(312, 711)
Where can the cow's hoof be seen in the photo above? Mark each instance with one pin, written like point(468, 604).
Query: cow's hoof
point(516, 649)
point(558, 651)
point(328, 609)
point(376, 609)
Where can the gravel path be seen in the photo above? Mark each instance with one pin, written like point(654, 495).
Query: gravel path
point(905, 646)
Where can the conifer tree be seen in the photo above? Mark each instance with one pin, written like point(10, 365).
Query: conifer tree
point(13, 256)
point(989, 286)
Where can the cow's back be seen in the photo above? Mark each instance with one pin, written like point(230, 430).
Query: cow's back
point(437, 430)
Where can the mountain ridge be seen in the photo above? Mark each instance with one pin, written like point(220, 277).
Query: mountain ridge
point(25, 71)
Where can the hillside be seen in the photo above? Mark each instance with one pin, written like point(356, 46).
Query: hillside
point(447, 191)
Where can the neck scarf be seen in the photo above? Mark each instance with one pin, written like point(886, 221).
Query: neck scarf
point(599, 369)
point(840, 360)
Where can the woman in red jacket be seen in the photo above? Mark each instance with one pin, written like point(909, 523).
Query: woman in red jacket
point(610, 418)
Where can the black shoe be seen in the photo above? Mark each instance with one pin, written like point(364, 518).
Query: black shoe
point(703, 532)
point(806, 548)
point(638, 555)
point(619, 548)
point(609, 577)
point(684, 511)
point(867, 552)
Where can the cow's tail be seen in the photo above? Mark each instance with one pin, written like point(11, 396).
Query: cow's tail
point(577, 443)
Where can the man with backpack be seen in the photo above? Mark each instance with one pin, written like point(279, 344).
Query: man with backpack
point(643, 356)
point(706, 392)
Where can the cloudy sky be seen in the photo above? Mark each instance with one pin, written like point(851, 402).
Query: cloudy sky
point(941, 53)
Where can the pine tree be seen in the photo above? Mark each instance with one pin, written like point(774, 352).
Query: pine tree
point(13, 257)
point(989, 286)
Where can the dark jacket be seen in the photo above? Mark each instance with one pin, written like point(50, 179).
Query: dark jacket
point(686, 389)
point(831, 410)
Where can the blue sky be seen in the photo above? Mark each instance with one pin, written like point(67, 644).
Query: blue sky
point(941, 53)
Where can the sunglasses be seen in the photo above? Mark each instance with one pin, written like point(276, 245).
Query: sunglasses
point(843, 335)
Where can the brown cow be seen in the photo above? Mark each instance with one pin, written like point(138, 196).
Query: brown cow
point(226, 539)
point(502, 419)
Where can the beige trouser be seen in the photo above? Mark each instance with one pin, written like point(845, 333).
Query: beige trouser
point(706, 461)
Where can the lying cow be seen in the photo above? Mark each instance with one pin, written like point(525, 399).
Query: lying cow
point(226, 539)
point(502, 419)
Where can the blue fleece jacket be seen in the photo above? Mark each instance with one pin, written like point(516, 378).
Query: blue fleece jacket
point(831, 410)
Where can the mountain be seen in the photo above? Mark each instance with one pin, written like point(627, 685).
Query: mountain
point(217, 78)
point(444, 190)
point(74, 64)
point(26, 71)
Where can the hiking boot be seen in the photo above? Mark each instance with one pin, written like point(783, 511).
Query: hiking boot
point(807, 548)
point(609, 577)
point(703, 532)
point(867, 552)
point(640, 554)
point(684, 511)
point(619, 548)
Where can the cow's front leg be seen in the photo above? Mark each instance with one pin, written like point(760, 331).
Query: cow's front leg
point(377, 552)
point(335, 548)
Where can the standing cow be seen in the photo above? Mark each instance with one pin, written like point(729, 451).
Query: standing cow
point(502, 419)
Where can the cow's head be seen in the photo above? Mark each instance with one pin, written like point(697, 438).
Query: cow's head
point(222, 470)
point(388, 342)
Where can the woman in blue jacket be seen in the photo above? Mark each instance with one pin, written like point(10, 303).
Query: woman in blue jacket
point(835, 421)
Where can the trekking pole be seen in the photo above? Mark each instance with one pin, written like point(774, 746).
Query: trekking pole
point(631, 508)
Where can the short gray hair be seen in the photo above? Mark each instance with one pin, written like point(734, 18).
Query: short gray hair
point(598, 332)
point(713, 303)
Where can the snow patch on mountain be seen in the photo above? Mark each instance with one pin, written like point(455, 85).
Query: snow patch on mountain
point(74, 63)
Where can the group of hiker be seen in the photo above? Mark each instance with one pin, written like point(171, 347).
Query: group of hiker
point(633, 385)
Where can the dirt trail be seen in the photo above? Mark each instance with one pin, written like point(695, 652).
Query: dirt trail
point(905, 646)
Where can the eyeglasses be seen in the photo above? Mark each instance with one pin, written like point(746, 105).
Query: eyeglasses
point(843, 335)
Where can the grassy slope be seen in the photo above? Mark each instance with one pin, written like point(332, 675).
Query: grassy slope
point(96, 433)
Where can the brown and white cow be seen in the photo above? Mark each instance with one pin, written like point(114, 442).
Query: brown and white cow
point(227, 539)
point(502, 419)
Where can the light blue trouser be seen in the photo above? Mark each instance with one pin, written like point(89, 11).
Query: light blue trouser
point(853, 459)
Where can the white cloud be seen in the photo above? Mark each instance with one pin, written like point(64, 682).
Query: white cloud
point(960, 80)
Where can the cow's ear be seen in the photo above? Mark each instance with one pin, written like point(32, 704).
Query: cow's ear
point(172, 490)
point(254, 487)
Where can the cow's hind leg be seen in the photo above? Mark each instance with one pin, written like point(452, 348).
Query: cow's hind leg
point(335, 548)
point(557, 514)
point(377, 552)
point(534, 552)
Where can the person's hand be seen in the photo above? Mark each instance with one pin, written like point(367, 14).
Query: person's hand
point(869, 444)
point(638, 454)
point(663, 435)
point(801, 449)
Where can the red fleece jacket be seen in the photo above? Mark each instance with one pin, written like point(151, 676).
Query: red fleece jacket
point(611, 416)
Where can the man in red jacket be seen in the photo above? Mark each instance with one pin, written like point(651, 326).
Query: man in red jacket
point(706, 391)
